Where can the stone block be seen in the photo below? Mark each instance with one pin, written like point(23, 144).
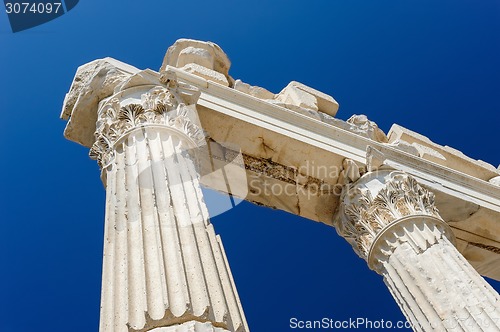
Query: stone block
point(92, 83)
point(301, 95)
point(204, 54)
point(442, 155)
point(255, 91)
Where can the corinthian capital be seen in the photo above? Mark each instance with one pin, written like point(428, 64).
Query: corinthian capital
point(171, 107)
point(378, 204)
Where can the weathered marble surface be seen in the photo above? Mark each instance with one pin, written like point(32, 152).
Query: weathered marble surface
point(308, 146)
point(392, 222)
point(295, 154)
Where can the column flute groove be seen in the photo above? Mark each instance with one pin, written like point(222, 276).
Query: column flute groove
point(393, 223)
point(164, 267)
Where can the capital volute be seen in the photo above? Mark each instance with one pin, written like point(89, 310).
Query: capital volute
point(382, 209)
point(168, 107)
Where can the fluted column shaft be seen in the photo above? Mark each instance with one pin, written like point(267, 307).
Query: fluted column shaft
point(163, 264)
point(392, 223)
point(438, 290)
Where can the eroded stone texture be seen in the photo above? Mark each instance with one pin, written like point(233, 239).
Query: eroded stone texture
point(392, 222)
point(300, 95)
point(163, 263)
point(207, 60)
point(93, 82)
point(495, 181)
point(255, 91)
point(443, 155)
point(204, 59)
point(362, 126)
point(290, 142)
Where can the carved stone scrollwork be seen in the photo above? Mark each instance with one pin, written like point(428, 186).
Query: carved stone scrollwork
point(392, 222)
point(376, 202)
point(170, 106)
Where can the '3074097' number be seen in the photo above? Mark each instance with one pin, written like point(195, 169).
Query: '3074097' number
point(32, 7)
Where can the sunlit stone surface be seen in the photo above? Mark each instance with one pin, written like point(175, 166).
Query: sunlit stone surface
point(164, 268)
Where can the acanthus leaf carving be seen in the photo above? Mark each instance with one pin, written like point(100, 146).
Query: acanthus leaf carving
point(162, 106)
point(363, 215)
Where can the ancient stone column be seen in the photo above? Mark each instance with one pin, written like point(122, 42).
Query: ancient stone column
point(392, 223)
point(164, 269)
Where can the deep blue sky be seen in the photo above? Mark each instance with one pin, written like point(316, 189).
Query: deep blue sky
point(432, 66)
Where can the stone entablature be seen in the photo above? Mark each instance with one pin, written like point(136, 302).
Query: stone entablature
point(403, 202)
point(228, 113)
